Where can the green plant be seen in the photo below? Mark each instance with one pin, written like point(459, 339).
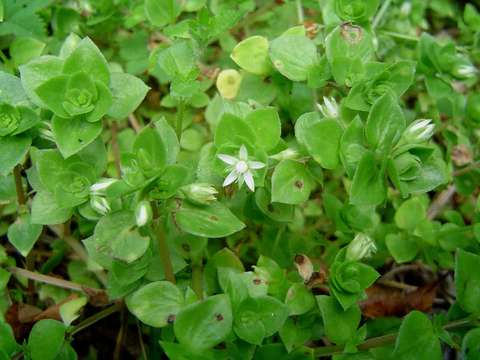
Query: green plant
point(239, 179)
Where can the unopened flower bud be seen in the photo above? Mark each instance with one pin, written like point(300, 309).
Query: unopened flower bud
point(304, 266)
point(228, 83)
point(143, 213)
point(419, 131)
point(360, 247)
point(199, 193)
point(287, 154)
point(103, 184)
point(465, 71)
point(100, 205)
point(329, 109)
point(406, 8)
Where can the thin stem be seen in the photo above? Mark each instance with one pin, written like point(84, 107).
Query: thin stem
point(467, 169)
point(400, 36)
point(21, 198)
point(197, 277)
point(384, 340)
point(440, 201)
point(134, 122)
point(381, 13)
point(94, 318)
point(300, 13)
point(115, 147)
point(140, 340)
point(65, 284)
point(179, 120)
point(121, 334)
point(164, 251)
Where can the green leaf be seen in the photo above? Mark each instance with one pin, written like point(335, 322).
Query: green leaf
point(467, 281)
point(385, 122)
point(234, 131)
point(267, 127)
point(322, 140)
point(251, 54)
point(204, 324)
point(87, 58)
point(293, 56)
point(23, 49)
point(11, 89)
point(52, 94)
point(355, 10)
point(259, 317)
point(150, 151)
point(7, 339)
point(410, 214)
point(46, 339)
point(162, 12)
point(69, 311)
point(178, 61)
point(37, 72)
point(74, 134)
point(156, 304)
point(23, 234)
point(12, 151)
point(403, 248)
point(299, 299)
point(117, 236)
point(291, 183)
point(213, 221)
point(128, 92)
point(340, 325)
point(352, 145)
point(368, 186)
point(45, 211)
point(417, 339)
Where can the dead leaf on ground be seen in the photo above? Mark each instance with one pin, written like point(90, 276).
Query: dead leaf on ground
point(388, 301)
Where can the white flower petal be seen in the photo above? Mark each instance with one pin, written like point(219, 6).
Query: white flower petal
point(230, 178)
point(243, 153)
point(254, 165)
point(228, 159)
point(249, 180)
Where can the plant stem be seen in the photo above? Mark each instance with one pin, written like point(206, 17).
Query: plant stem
point(179, 119)
point(65, 284)
point(164, 251)
point(400, 36)
point(115, 147)
point(300, 13)
point(197, 277)
point(121, 334)
point(94, 318)
point(381, 13)
point(383, 340)
point(21, 198)
point(467, 169)
point(440, 201)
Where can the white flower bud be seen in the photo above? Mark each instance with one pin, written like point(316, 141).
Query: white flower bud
point(418, 131)
point(143, 213)
point(465, 71)
point(199, 193)
point(329, 109)
point(100, 205)
point(102, 185)
point(228, 83)
point(406, 8)
point(360, 247)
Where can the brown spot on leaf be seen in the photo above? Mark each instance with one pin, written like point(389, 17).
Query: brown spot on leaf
point(299, 184)
point(171, 319)
point(219, 317)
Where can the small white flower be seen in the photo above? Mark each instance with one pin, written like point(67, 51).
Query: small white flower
point(360, 247)
point(240, 168)
point(100, 205)
point(102, 185)
point(329, 109)
point(419, 131)
point(466, 71)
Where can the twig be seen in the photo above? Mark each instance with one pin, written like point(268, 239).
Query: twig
point(440, 201)
point(397, 285)
point(115, 147)
point(381, 13)
point(65, 284)
point(134, 122)
point(94, 318)
point(384, 340)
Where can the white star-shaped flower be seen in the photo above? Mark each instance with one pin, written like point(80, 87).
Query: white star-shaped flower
point(240, 168)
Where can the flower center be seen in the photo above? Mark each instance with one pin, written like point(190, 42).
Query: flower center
point(241, 167)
